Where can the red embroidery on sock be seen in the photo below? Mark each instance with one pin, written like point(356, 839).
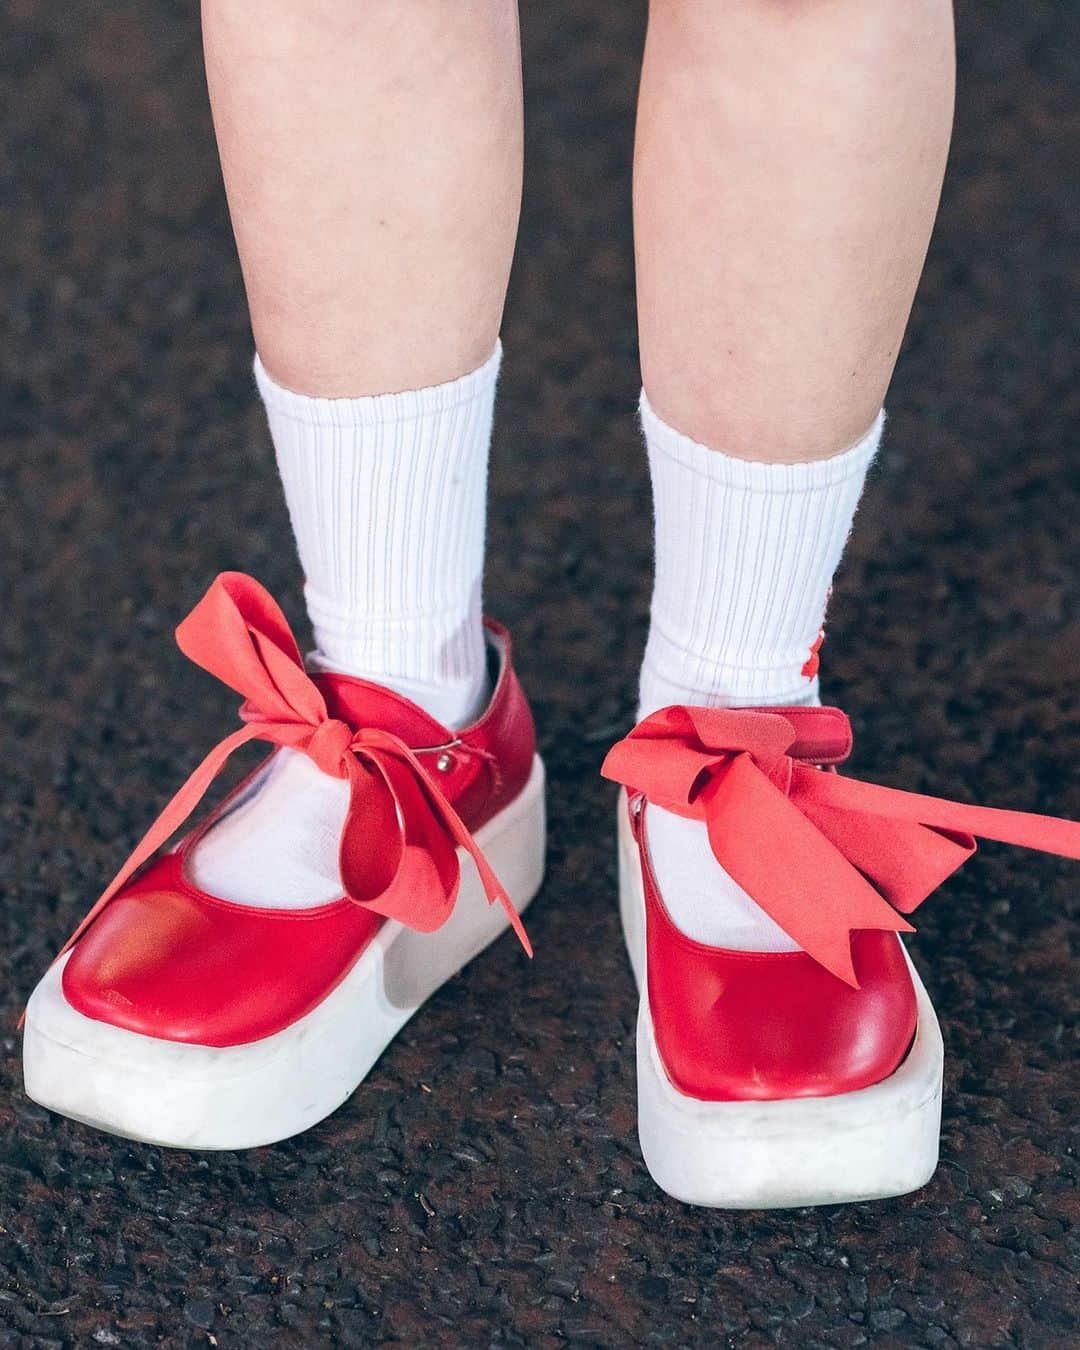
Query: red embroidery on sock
point(813, 661)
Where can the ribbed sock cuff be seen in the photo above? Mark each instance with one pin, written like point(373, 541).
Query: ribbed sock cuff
point(745, 556)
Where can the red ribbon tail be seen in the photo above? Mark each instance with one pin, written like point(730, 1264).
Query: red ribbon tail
point(168, 822)
point(1024, 829)
point(783, 862)
point(494, 890)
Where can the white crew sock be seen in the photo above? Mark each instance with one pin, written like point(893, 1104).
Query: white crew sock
point(745, 556)
point(387, 497)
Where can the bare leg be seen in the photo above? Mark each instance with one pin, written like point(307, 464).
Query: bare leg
point(788, 166)
point(372, 158)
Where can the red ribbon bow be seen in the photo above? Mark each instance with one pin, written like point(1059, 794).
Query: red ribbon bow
point(820, 853)
point(398, 854)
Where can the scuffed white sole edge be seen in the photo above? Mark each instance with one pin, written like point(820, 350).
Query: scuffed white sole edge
point(202, 1097)
point(876, 1142)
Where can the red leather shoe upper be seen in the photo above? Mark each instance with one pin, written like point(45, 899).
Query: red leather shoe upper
point(161, 957)
point(830, 859)
point(739, 1026)
point(167, 960)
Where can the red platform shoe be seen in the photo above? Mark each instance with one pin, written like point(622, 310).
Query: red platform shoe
point(790, 1078)
point(179, 1018)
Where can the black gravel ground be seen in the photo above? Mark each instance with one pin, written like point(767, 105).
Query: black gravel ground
point(484, 1187)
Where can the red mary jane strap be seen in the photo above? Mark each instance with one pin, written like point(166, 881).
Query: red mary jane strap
point(821, 853)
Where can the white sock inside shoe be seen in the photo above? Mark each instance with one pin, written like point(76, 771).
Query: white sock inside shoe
point(277, 848)
point(387, 497)
point(745, 556)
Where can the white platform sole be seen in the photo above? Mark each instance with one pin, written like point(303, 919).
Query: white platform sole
point(200, 1097)
point(879, 1141)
